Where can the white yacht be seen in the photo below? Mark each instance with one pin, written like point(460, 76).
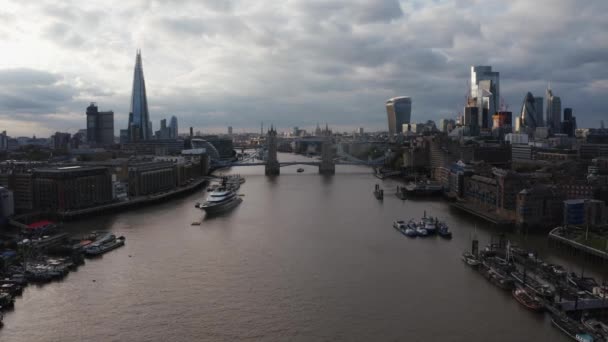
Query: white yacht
point(219, 201)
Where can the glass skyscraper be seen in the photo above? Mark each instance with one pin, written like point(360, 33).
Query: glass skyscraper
point(553, 111)
point(527, 118)
point(540, 112)
point(139, 117)
point(485, 89)
point(399, 112)
point(173, 127)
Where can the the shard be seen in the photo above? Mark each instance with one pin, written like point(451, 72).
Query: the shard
point(139, 117)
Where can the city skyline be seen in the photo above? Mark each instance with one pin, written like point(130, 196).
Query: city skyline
point(313, 62)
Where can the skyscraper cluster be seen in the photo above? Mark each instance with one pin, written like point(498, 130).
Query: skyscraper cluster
point(532, 115)
point(167, 132)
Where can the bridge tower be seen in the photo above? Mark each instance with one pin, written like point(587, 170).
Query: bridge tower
point(327, 166)
point(272, 164)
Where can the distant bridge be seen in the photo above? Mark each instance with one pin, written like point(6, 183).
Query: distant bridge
point(311, 163)
point(268, 153)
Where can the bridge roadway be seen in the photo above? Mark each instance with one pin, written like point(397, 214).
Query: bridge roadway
point(308, 163)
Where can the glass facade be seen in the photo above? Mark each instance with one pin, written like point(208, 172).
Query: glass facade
point(485, 89)
point(528, 114)
point(139, 117)
point(399, 112)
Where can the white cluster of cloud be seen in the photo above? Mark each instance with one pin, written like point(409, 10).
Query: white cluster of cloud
point(294, 63)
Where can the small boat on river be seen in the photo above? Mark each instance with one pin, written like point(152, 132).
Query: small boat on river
point(527, 299)
point(410, 232)
point(444, 231)
point(424, 188)
point(571, 328)
point(99, 248)
point(421, 231)
point(470, 259)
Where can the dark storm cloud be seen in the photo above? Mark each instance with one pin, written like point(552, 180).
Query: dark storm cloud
point(23, 90)
point(296, 62)
point(26, 77)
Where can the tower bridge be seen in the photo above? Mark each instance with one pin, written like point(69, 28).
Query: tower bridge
point(327, 164)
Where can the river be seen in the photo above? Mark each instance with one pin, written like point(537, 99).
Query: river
point(304, 258)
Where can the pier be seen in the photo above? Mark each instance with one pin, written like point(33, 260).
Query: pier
point(562, 294)
point(559, 235)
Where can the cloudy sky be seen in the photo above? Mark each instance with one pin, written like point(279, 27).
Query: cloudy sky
point(216, 63)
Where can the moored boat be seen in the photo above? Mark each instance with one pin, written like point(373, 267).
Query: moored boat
point(410, 232)
point(470, 259)
point(583, 283)
point(595, 326)
point(220, 201)
point(571, 329)
point(423, 188)
point(541, 290)
point(398, 224)
point(101, 248)
point(421, 231)
point(527, 299)
point(444, 231)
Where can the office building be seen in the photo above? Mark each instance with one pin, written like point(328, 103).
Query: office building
point(527, 117)
point(553, 111)
point(7, 203)
point(502, 119)
point(584, 211)
point(3, 141)
point(124, 136)
point(471, 120)
point(399, 112)
point(140, 127)
point(540, 113)
point(229, 130)
point(100, 126)
point(569, 123)
point(60, 141)
point(485, 91)
point(71, 187)
point(165, 132)
point(446, 125)
point(151, 177)
point(539, 205)
point(173, 127)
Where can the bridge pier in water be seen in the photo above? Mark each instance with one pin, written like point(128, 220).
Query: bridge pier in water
point(327, 166)
point(272, 167)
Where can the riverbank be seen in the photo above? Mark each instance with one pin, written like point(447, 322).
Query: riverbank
point(487, 215)
point(115, 206)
